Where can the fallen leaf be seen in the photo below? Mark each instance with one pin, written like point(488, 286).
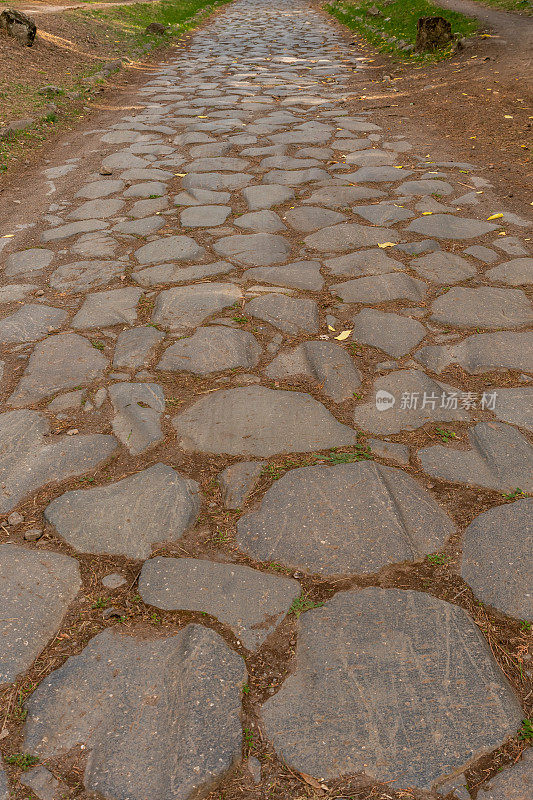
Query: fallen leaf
point(311, 781)
point(180, 174)
point(387, 244)
point(426, 213)
point(344, 335)
point(331, 328)
point(495, 216)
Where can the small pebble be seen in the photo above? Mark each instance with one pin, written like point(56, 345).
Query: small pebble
point(33, 534)
point(15, 519)
point(113, 580)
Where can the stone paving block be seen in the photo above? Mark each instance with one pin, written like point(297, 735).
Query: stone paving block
point(342, 196)
point(264, 221)
point(515, 406)
point(517, 272)
point(236, 481)
point(363, 262)
point(484, 306)
point(482, 352)
point(500, 458)
point(135, 347)
point(406, 666)
point(390, 450)
point(169, 248)
point(204, 216)
point(4, 788)
point(380, 289)
point(383, 213)
point(250, 602)
point(44, 785)
point(138, 408)
point(59, 362)
point(186, 688)
point(498, 558)
point(255, 421)
point(27, 261)
point(297, 275)
point(73, 229)
point(211, 349)
point(443, 268)
point(513, 783)
point(108, 308)
point(37, 588)
point(392, 333)
point(82, 275)
point(30, 322)
point(306, 219)
point(127, 517)
point(347, 236)
point(325, 363)
point(258, 197)
point(141, 227)
point(446, 226)
point(97, 209)
point(187, 306)
point(344, 519)
point(290, 314)
point(254, 250)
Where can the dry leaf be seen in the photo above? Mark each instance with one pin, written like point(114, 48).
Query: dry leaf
point(344, 335)
point(387, 244)
point(426, 213)
point(312, 782)
point(495, 216)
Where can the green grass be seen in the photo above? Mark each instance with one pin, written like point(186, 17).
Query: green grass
point(398, 19)
point(523, 6)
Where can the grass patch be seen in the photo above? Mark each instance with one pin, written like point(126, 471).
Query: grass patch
point(522, 6)
point(395, 27)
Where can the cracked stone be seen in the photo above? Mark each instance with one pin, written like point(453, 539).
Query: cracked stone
point(392, 333)
point(82, 275)
point(255, 250)
point(138, 408)
point(483, 306)
point(129, 516)
point(211, 349)
point(30, 322)
point(188, 306)
point(290, 314)
point(108, 308)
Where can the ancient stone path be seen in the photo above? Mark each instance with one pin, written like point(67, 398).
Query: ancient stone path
point(261, 349)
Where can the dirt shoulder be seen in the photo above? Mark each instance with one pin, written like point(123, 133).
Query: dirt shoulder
point(476, 107)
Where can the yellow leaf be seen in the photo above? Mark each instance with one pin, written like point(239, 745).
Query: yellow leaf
point(202, 116)
point(7, 236)
point(344, 335)
point(387, 244)
point(180, 174)
point(495, 216)
point(426, 213)
point(331, 328)
point(508, 116)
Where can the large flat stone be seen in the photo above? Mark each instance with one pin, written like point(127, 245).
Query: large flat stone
point(343, 196)
point(517, 272)
point(347, 236)
point(255, 421)
point(251, 603)
point(30, 458)
point(82, 275)
point(343, 519)
point(513, 783)
point(446, 226)
point(169, 248)
point(392, 333)
point(298, 275)
point(254, 249)
point(264, 221)
point(498, 558)
point(135, 347)
point(108, 308)
point(211, 349)
point(293, 315)
point(482, 352)
point(97, 209)
point(325, 363)
point(127, 517)
point(138, 408)
point(407, 399)
point(27, 261)
point(443, 268)
point(484, 306)
point(188, 306)
point(381, 289)
point(515, 406)
point(30, 322)
point(363, 262)
point(59, 362)
point(159, 718)
point(382, 683)
point(500, 458)
point(258, 197)
point(37, 588)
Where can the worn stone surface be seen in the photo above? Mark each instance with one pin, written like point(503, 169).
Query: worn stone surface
point(390, 450)
point(515, 406)
point(343, 519)
point(108, 308)
point(30, 458)
point(27, 261)
point(82, 275)
point(138, 408)
point(37, 588)
point(256, 421)
point(446, 226)
point(498, 558)
point(500, 458)
point(484, 307)
point(135, 347)
point(325, 363)
point(211, 349)
point(59, 362)
point(298, 275)
point(482, 352)
point(251, 603)
point(30, 322)
point(127, 517)
point(420, 661)
point(43, 784)
point(169, 248)
point(348, 236)
point(380, 289)
point(179, 309)
point(517, 272)
point(254, 249)
point(443, 268)
point(392, 333)
point(186, 687)
point(289, 314)
point(513, 783)
point(236, 481)
point(363, 262)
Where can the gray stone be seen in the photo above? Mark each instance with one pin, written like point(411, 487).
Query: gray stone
point(456, 786)
point(30, 322)
point(30, 458)
point(172, 273)
point(95, 245)
point(306, 219)
point(27, 261)
point(188, 306)
point(515, 273)
point(73, 229)
point(97, 209)
point(185, 688)
point(103, 188)
point(64, 402)
point(204, 216)
point(515, 406)
point(113, 580)
point(393, 451)
point(290, 314)
point(483, 306)
point(417, 248)
point(216, 180)
point(264, 221)
point(211, 349)
point(483, 352)
point(446, 226)
point(236, 481)
point(377, 175)
point(325, 363)
point(254, 250)
point(369, 158)
point(135, 347)
point(343, 196)
point(251, 603)
point(15, 519)
point(37, 588)
point(515, 783)
point(224, 164)
point(127, 517)
point(298, 275)
point(406, 666)
point(82, 275)
point(145, 208)
point(510, 245)
point(108, 308)
point(147, 189)
point(405, 400)
point(169, 248)
point(392, 333)
point(425, 187)
point(258, 197)
point(484, 254)
point(443, 268)
point(59, 362)
point(343, 519)
point(16, 291)
point(44, 785)
point(255, 421)
point(363, 262)
point(141, 227)
point(498, 558)
point(500, 458)
point(4, 788)
point(138, 408)
point(295, 177)
point(383, 213)
point(347, 236)
point(381, 289)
